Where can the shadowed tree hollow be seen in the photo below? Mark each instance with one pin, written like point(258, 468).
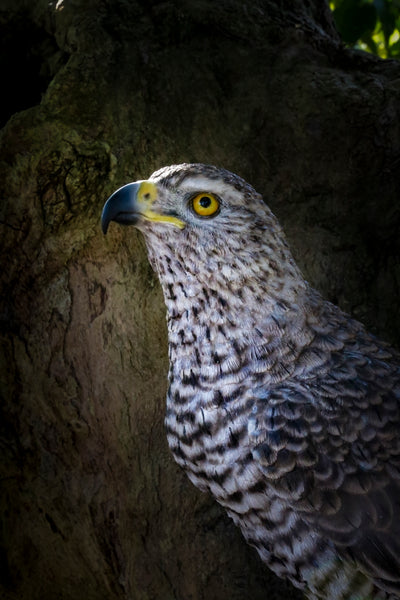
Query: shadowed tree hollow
point(108, 91)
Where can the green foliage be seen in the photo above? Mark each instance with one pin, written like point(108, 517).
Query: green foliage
point(372, 25)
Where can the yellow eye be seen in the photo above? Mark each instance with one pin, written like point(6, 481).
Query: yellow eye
point(205, 205)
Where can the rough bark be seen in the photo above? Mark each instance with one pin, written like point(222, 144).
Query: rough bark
point(108, 91)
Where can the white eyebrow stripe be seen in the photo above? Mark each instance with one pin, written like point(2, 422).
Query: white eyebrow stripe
point(204, 184)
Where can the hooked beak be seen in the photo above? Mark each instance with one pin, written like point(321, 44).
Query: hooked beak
point(132, 203)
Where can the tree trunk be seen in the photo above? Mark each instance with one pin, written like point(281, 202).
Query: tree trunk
point(107, 92)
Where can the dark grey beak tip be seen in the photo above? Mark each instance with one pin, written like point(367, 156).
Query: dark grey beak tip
point(121, 207)
point(104, 224)
point(106, 217)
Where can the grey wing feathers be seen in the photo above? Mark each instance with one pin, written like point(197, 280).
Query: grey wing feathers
point(329, 444)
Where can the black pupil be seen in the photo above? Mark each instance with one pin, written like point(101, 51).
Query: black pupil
point(205, 201)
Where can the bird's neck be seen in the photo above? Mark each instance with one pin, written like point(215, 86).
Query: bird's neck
point(220, 324)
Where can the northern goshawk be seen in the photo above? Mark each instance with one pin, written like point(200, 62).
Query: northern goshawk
point(283, 407)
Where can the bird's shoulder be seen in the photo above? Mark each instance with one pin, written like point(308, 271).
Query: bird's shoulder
point(339, 405)
point(327, 441)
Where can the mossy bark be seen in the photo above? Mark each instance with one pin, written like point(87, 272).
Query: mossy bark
point(94, 506)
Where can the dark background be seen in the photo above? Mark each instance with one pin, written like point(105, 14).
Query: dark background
point(99, 93)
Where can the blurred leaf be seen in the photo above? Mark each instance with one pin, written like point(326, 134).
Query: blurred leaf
point(386, 15)
point(354, 19)
point(369, 41)
point(371, 25)
point(395, 49)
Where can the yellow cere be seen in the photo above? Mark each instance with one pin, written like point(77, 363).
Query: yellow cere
point(147, 194)
point(205, 204)
point(147, 191)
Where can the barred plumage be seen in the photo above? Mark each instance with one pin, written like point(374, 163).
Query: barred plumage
point(279, 404)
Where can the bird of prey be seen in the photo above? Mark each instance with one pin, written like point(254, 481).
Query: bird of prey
point(282, 406)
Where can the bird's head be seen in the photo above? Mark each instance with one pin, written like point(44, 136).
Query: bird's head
point(191, 201)
point(205, 219)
